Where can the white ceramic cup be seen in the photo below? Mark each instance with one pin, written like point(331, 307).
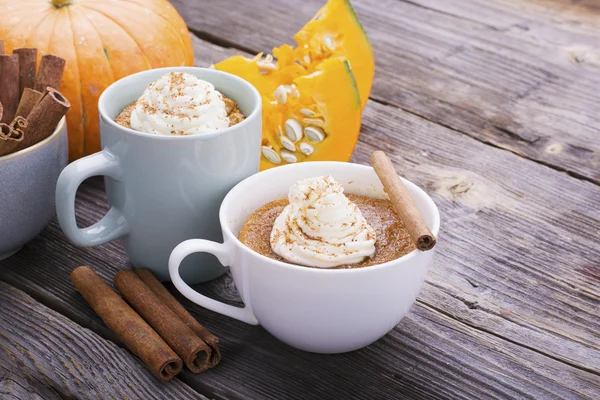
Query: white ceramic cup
point(317, 310)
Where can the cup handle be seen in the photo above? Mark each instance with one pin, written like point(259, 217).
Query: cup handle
point(220, 250)
point(112, 225)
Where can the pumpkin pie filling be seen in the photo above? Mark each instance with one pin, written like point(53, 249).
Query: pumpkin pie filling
point(392, 238)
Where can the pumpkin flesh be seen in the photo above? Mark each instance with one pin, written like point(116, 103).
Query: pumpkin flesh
point(333, 32)
point(325, 102)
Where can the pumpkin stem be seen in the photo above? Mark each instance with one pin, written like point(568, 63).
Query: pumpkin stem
point(61, 3)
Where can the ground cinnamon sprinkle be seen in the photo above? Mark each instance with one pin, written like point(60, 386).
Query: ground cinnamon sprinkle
point(124, 117)
point(393, 240)
point(233, 113)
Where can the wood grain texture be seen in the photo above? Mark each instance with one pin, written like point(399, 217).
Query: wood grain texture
point(21, 386)
point(45, 355)
point(521, 75)
point(509, 308)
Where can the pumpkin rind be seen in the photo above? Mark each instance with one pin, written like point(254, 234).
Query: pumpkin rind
point(102, 41)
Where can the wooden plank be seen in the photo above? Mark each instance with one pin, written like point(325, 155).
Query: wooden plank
point(45, 355)
point(17, 386)
point(521, 75)
point(509, 308)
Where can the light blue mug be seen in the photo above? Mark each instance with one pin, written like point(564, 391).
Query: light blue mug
point(163, 189)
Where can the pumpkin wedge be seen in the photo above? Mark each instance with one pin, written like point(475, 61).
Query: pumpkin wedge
point(317, 117)
point(313, 94)
point(333, 32)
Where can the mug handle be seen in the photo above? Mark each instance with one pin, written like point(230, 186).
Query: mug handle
point(112, 225)
point(219, 250)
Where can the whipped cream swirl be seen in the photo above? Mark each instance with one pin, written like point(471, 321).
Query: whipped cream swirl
point(180, 104)
point(321, 227)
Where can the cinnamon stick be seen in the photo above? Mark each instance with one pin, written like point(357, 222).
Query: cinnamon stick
point(44, 117)
point(50, 72)
point(9, 85)
point(29, 99)
point(27, 63)
point(403, 203)
point(2, 47)
point(167, 298)
point(135, 333)
point(165, 322)
point(11, 135)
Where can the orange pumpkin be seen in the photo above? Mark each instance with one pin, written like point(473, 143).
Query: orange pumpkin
point(102, 41)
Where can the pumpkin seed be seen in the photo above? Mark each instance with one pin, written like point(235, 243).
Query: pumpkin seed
point(314, 121)
point(329, 43)
point(306, 59)
point(306, 148)
point(267, 63)
point(287, 143)
point(314, 133)
point(293, 129)
point(293, 91)
point(288, 156)
point(307, 112)
point(281, 94)
point(271, 155)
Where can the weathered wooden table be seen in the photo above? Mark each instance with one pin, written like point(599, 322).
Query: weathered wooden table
point(492, 106)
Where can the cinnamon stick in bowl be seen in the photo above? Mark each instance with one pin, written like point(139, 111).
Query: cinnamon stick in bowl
point(403, 203)
point(29, 99)
point(49, 73)
point(135, 333)
point(167, 298)
point(9, 85)
point(27, 64)
point(11, 134)
point(44, 117)
point(193, 351)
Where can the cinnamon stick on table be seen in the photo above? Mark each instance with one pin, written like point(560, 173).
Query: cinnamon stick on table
point(44, 117)
point(27, 63)
point(167, 298)
point(9, 85)
point(29, 99)
point(135, 333)
point(403, 203)
point(49, 73)
point(193, 351)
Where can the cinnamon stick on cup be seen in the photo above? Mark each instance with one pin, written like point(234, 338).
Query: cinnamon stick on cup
point(403, 203)
point(27, 63)
point(9, 85)
point(135, 333)
point(49, 73)
point(194, 352)
point(167, 298)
